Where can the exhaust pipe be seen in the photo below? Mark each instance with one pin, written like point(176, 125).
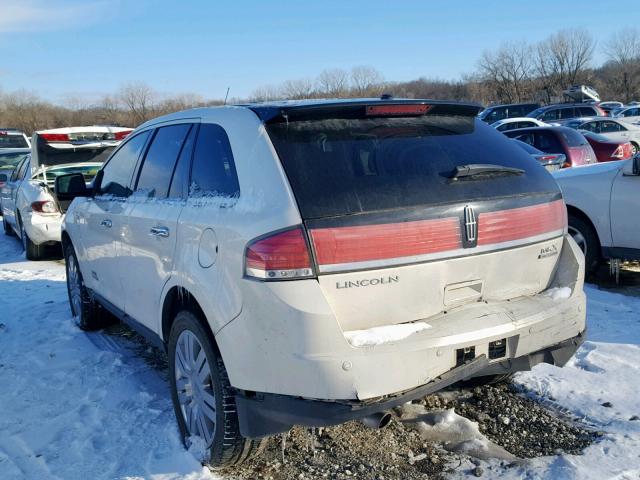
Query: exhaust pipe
point(377, 420)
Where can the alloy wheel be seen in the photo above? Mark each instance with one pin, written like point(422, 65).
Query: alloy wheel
point(194, 386)
point(74, 283)
point(579, 239)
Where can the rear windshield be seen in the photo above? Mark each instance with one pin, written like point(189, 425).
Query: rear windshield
point(344, 166)
point(11, 160)
point(87, 171)
point(13, 141)
point(573, 138)
point(48, 155)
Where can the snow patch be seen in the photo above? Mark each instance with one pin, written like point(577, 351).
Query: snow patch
point(558, 293)
point(386, 334)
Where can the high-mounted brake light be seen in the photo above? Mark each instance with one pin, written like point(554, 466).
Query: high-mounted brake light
point(396, 110)
point(46, 206)
point(55, 137)
point(122, 135)
point(281, 256)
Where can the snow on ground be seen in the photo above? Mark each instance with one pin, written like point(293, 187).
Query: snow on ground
point(76, 405)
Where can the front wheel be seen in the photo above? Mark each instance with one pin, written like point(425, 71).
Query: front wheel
point(202, 397)
point(587, 240)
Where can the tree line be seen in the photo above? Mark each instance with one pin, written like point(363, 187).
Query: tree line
point(515, 72)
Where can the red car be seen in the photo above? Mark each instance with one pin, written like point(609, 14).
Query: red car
point(571, 143)
point(608, 150)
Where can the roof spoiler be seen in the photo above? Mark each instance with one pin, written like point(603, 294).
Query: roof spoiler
point(363, 109)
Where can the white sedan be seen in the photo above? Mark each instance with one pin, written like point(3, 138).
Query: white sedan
point(517, 122)
point(603, 209)
point(613, 128)
point(629, 114)
point(29, 205)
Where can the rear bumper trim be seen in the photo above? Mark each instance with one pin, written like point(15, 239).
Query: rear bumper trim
point(264, 414)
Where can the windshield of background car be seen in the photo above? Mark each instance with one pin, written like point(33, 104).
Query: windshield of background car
point(9, 140)
point(48, 155)
point(573, 138)
point(87, 171)
point(11, 160)
point(341, 166)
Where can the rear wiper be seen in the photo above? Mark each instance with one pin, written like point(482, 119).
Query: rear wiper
point(488, 169)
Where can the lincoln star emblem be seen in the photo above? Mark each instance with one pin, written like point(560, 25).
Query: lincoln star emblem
point(470, 225)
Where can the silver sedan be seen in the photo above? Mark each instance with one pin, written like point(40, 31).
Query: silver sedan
point(612, 128)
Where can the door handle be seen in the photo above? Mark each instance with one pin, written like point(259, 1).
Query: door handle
point(159, 231)
point(106, 223)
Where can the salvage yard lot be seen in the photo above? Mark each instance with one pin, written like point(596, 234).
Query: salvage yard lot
point(77, 405)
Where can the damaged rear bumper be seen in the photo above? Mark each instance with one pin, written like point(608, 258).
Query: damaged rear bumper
point(264, 414)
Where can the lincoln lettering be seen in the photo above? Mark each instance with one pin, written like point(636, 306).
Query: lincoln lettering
point(368, 282)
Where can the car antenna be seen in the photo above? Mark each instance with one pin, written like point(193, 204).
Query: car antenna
point(226, 96)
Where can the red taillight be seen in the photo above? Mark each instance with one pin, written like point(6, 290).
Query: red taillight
point(279, 256)
point(622, 151)
point(342, 245)
point(55, 137)
point(122, 135)
point(44, 207)
point(524, 222)
point(396, 110)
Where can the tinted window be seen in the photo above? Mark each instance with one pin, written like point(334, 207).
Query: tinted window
point(573, 138)
point(12, 141)
point(342, 166)
point(180, 181)
point(609, 127)
point(160, 160)
point(547, 142)
point(592, 127)
point(20, 169)
point(551, 114)
point(214, 171)
point(566, 113)
point(119, 170)
point(11, 160)
point(587, 112)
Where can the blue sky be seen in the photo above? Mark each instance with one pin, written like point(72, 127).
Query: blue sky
point(85, 48)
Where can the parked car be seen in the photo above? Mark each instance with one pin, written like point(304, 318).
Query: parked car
point(563, 111)
point(608, 150)
point(13, 138)
point(611, 128)
point(9, 191)
point(609, 106)
point(602, 205)
point(29, 205)
point(517, 122)
point(303, 261)
point(566, 141)
point(628, 114)
point(9, 159)
point(550, 161)
point(500, 112)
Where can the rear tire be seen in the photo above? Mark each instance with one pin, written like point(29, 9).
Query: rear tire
point(203, 398)
point(85, 310)
point(587, 239)
point(7, 228)
point(31, 250)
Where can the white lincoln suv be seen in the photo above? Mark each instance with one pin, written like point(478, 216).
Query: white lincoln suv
point(316, 262)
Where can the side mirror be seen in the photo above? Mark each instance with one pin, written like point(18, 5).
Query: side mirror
point(70, 186)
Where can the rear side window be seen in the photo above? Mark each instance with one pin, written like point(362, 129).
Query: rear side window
point(342, 166)
point(214, 170)
point(591, 127)
point(587, 112)
point(118, 171)
point(551, 114)
point(547, 142)
point(573, 138)
point(566, 113)
point(609, 127)
point(160, 161)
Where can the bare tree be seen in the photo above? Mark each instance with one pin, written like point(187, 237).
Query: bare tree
point(333, 83)
point(563, 58)
point(365, 80)
point(623, 68)
point(508, 71)
point(138, 99)
point(302, 88)
point(266, 93)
